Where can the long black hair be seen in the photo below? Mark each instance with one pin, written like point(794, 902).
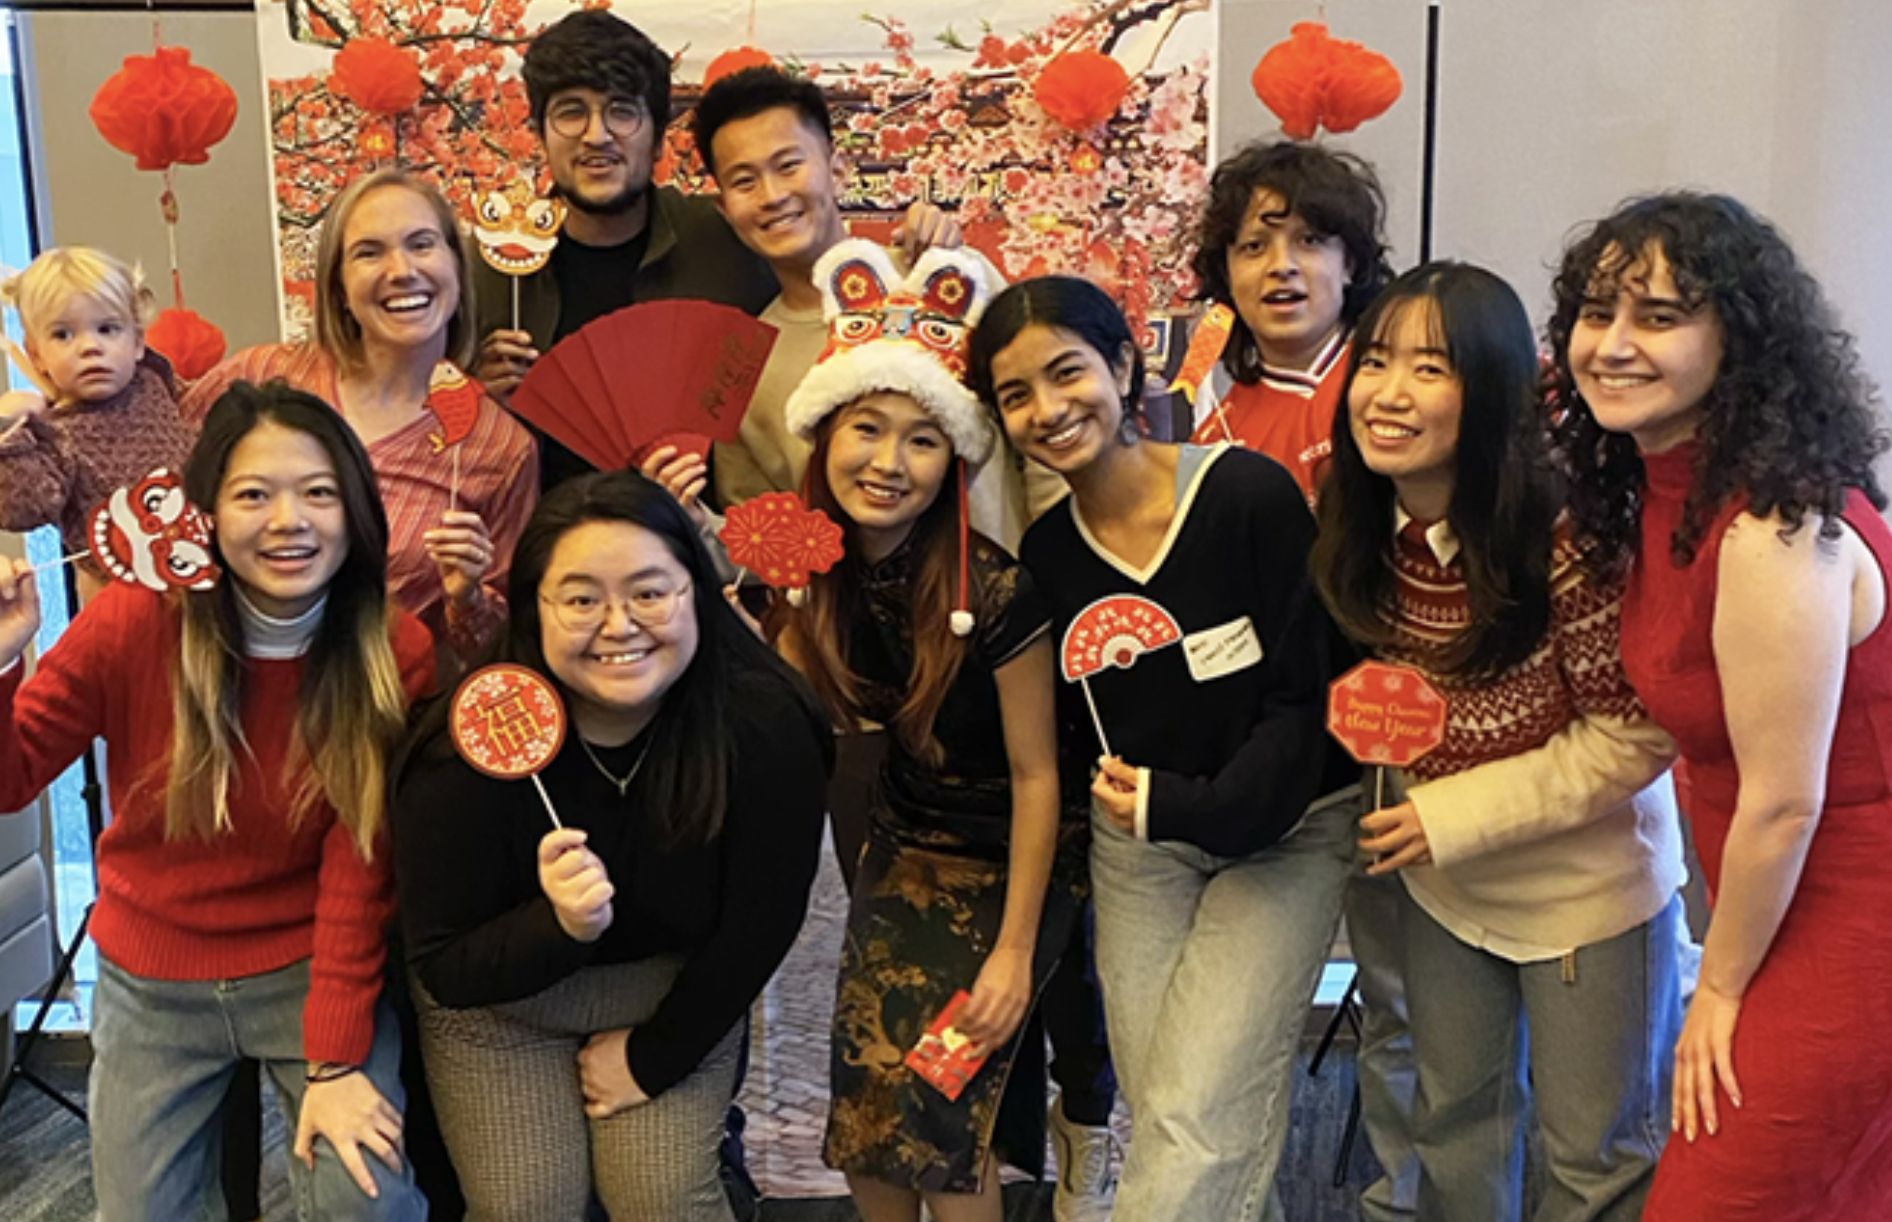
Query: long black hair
point(1068, 303)
point(692, 751)
point(1791, 420)
point(1505, 492)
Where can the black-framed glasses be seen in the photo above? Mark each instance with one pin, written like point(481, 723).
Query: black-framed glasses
point(571, 117)
point(584, 611)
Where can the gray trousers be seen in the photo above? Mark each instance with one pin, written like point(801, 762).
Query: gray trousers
point(505, 1083)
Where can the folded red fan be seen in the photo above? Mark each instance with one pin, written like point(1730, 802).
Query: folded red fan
point(657, 373)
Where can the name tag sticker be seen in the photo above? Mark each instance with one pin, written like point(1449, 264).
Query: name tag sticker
point(1215, 652)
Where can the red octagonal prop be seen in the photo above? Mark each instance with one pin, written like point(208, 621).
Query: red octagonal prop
point(1385, 714)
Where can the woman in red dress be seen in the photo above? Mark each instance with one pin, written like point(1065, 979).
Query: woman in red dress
point(1720, 436)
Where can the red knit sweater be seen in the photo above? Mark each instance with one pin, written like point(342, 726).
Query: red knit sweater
point(256, 898)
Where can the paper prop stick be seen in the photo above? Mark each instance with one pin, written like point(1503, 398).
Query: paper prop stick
point(149, 535)
point(782, 541)
point(517, 232)
point(1205, 349)
point(1113, 631)
point(508, 722)
point(1385, 715)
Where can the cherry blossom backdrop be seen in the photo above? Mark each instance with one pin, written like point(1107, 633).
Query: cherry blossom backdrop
point(1006, 118)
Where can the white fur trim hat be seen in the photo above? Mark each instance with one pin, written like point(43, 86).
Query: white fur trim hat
point(889, 333)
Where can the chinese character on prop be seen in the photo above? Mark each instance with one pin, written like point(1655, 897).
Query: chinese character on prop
point(508, 722)
point(1113, 631)
point(782, 541)
point(1385, 716)
point(149, 535)
point(517, 230)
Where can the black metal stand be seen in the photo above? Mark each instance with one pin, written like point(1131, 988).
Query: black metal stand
point(18, 1071)
point(1348, 1011)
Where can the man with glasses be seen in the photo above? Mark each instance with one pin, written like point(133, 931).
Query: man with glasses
point(599, 92)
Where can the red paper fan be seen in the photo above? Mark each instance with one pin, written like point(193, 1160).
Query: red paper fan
point(454, 399)
point(149, 535)
point(1115, 631)
point(657, 373)
point(775, 537)
point(507, 721)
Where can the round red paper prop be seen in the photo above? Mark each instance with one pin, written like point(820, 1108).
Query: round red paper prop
point(779, 540)
point(1081, 89)
point(377, 76)
point(1314, 80)
point(149, 535)
point(1115, 631)
point(192, 343)
point(1385, 714)
point(507, 721)
point(163, 109)
point(735, 60)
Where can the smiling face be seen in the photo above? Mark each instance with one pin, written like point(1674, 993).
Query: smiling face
point(1288, 280)
point(887, 459)
point(616, 674)
point(1644, 357)
point(279, 519)
point(1061, 401)
point(1404, 405)
point(605, 169)
point(778, 180)
point(89, 350)
point(400, 278)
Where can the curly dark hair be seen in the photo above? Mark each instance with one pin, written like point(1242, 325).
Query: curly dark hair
point(593, 49)
point(1791, 420)
point(745, 94)
point(1505, 492)
point(1334, 192)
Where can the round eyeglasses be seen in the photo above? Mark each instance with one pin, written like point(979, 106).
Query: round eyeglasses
point(571, 118)
point(584, 612)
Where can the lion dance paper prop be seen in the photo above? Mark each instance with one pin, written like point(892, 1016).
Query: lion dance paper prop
point(149, 535)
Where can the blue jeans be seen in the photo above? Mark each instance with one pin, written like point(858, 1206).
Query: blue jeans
point(1208, 966)
point(163, 1053)
point(1596, 1036)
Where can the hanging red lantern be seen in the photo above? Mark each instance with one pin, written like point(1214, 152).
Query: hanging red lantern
point(192, 343)
point(1364, 86)
point(1081, 89)
point(163, 109)
point(1313, 80)
point(377, 76)
point(735, 60)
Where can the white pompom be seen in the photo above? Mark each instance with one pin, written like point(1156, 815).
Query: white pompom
point(798, 596)
point(962, 623)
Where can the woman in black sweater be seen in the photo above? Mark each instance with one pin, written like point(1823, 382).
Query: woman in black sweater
point(692, 785)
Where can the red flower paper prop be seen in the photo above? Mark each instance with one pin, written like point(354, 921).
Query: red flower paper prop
point(454, 399)
point(192, 343)
point(1313, 80)
point(735, 60)
point(774, 536)
point(149, 535)
point(377, 76)
point(1081, 89)
point(507, 721)
point(163, 109)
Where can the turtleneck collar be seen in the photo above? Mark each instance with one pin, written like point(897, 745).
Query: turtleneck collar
point(266, 636)
point(1671, 473)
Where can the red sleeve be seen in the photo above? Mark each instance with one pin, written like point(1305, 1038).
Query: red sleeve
point(52, 717)
point(258, 364)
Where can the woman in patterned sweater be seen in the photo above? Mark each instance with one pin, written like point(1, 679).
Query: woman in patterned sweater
point(1539, 848)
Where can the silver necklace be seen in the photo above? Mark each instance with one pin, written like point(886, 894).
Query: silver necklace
point(623, 784)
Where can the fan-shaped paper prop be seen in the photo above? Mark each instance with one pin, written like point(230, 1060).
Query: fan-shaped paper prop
point(192, 343)
point(1385, 714)
point(1313, 80)
point(508, 722)
point(454, 399)
point(163, 109)
point(780, 540)
point(377, 76)
point(149, 535)
point(517, 228)
point(1115, 631)
point(735, 60)
point(677, 372)
point(1081, 89)
point(1205, 349)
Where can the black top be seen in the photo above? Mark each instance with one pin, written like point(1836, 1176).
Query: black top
point(480, 931)
point(1230, 723)
point(594, 280)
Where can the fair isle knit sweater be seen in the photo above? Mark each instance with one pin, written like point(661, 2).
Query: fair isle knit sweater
point(1545, 807)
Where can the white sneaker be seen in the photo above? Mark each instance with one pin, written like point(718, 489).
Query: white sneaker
point(1086, 1186)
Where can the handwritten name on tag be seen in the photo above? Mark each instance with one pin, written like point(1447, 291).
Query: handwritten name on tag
point(1215, 652)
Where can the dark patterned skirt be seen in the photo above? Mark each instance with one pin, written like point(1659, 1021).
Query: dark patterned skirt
point(920, 926)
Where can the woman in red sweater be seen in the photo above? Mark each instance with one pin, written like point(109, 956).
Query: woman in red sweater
point(244, 881)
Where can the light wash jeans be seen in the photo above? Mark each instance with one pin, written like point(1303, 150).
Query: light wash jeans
point(1389, 1081)
point(1208, 967)
point(163, 1053)
point(1597, 1037)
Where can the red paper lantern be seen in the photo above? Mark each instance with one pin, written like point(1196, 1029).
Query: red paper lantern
point(1364, 86)
point(377, 76)
point(1081, 89)
point(735, 60)
point(164, 110)
point(191, 342)
point(1313, 80)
